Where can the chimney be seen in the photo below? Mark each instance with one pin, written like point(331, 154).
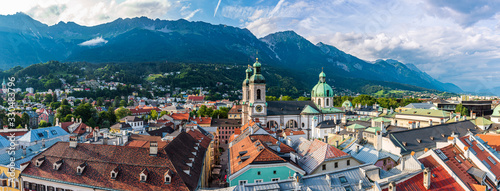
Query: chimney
point(378, 141)
point(57, 122)
point(24, 151)
point(360, 185)
point(344, 119)
point(72, 119)
point(153, 148)
point(43, 143)
point(442, 121)
point(392, 186)
point(337, 143)
point(427, 178)
point(430, 122)
point(356, 150)
point(73, 142)
point(251, 130)
point(373, 122)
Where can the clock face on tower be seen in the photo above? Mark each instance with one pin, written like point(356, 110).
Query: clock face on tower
point(258, 108)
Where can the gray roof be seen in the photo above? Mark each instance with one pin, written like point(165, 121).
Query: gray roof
point(318, 182)
point(327, 124)
point(420, 105)
point(288, 107)
point(368, 154)
point(424, 134)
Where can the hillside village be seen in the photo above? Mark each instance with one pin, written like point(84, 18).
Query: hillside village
point(186, 141)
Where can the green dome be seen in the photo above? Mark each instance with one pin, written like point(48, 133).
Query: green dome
point(496, 111)
point(322, 89)
point(249, 70)
point(322, 74)
point(257, 64)
point(245, 82)
point(258, 79)
point(347, 104)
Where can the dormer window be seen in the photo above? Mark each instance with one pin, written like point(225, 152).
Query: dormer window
point(80, 168)
point(57, 164)
point(144, 175)
point(168, 177)
point(39, 161)
point(114, 173)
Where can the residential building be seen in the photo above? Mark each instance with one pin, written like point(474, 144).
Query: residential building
point(82, 166)
point(235, 112)
point(478, 107)
point(226, 128)
point(35, 136)
point(417, 118)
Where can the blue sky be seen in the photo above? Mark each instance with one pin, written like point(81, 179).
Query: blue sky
point(455, 41)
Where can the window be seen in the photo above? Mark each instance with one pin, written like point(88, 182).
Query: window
point(303, 124)
point(275, 179)
point(258, 172)
point(274, 172)
point(319, 102)
point(54, 132)
point(40, 134)
point(348, 188)
point(343, 179)
point(385, 162)
point(167, 179)
point(327, 93)
point(50, 188)
point(258, 180)
point(242, 182)
point(323, 167)
point(336, 164)
point(258, 94)
point(327, 102)
point(348, 162)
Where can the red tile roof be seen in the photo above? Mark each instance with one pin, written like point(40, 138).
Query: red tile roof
point(458, 165)
point(440, 179)
point(284, 148)
point(483, 156)
point(195, 98)
point(180, 116)
point(492, 139)
point(101, 160)
point(202, 120)
point(256, 151)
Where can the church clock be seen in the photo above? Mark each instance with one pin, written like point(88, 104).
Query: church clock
point(258, 108)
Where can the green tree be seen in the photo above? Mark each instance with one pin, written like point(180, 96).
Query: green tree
point(122, 112)
point(54, 97)
point(111, 115)
point(302, 98)
point(63, 111)
point(64, 102)
point(43, 123)
point(85, 111)
point(162, 113)
point(202, 111)
point(363, 100)
point(55, 105)
point(271, 98)
point(123, 103)
point(154, 114)
point(48, 98)
point(462, 110)
point(286, 98)
point(25, 118)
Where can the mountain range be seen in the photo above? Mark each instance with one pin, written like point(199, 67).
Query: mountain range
point(25, 41)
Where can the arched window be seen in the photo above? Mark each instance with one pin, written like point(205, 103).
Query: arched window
point(327, 102)
point(327, 93)
point(258, 94)
point(248, 95)
point(319, 102)
point(303, 124)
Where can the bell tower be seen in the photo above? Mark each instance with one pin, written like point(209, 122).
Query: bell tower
point(257, 106)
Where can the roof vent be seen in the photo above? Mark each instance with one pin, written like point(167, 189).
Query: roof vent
point(242, 152)
point(298, 108)
point(404, 144)
point(432, 138)
point(281, 109)
point(442, 135)
point(419, 140)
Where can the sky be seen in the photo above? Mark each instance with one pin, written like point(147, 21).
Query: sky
point(456, 41)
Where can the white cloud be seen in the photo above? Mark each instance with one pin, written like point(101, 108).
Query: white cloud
point(94, 42)
point(192, 14)
point(89, 12)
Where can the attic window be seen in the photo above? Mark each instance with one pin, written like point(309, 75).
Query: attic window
point(144, 175)
point(39, 161)
point(242, 152)
point(54, 132)
point(404, 144)
point(245, 158)
point(80, 168)
point(432, 138)
point(114, 173)
point(40, 134)
point(167, 177)
point(419, 140)
point(57, 164)
point(442, 135)
point(428, 113)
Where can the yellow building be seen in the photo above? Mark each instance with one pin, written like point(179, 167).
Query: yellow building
point(9, 181)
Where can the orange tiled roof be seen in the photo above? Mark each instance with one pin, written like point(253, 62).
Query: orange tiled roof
point(492, 139)
point(180, 116)
point(202, 120)
point(256, 151)
point(284, 148)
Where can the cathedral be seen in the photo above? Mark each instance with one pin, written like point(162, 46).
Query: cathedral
point(305, 115)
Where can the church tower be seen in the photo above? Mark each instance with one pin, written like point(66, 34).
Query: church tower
point(246, 95)
point(322, 93)
point(256, 106)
